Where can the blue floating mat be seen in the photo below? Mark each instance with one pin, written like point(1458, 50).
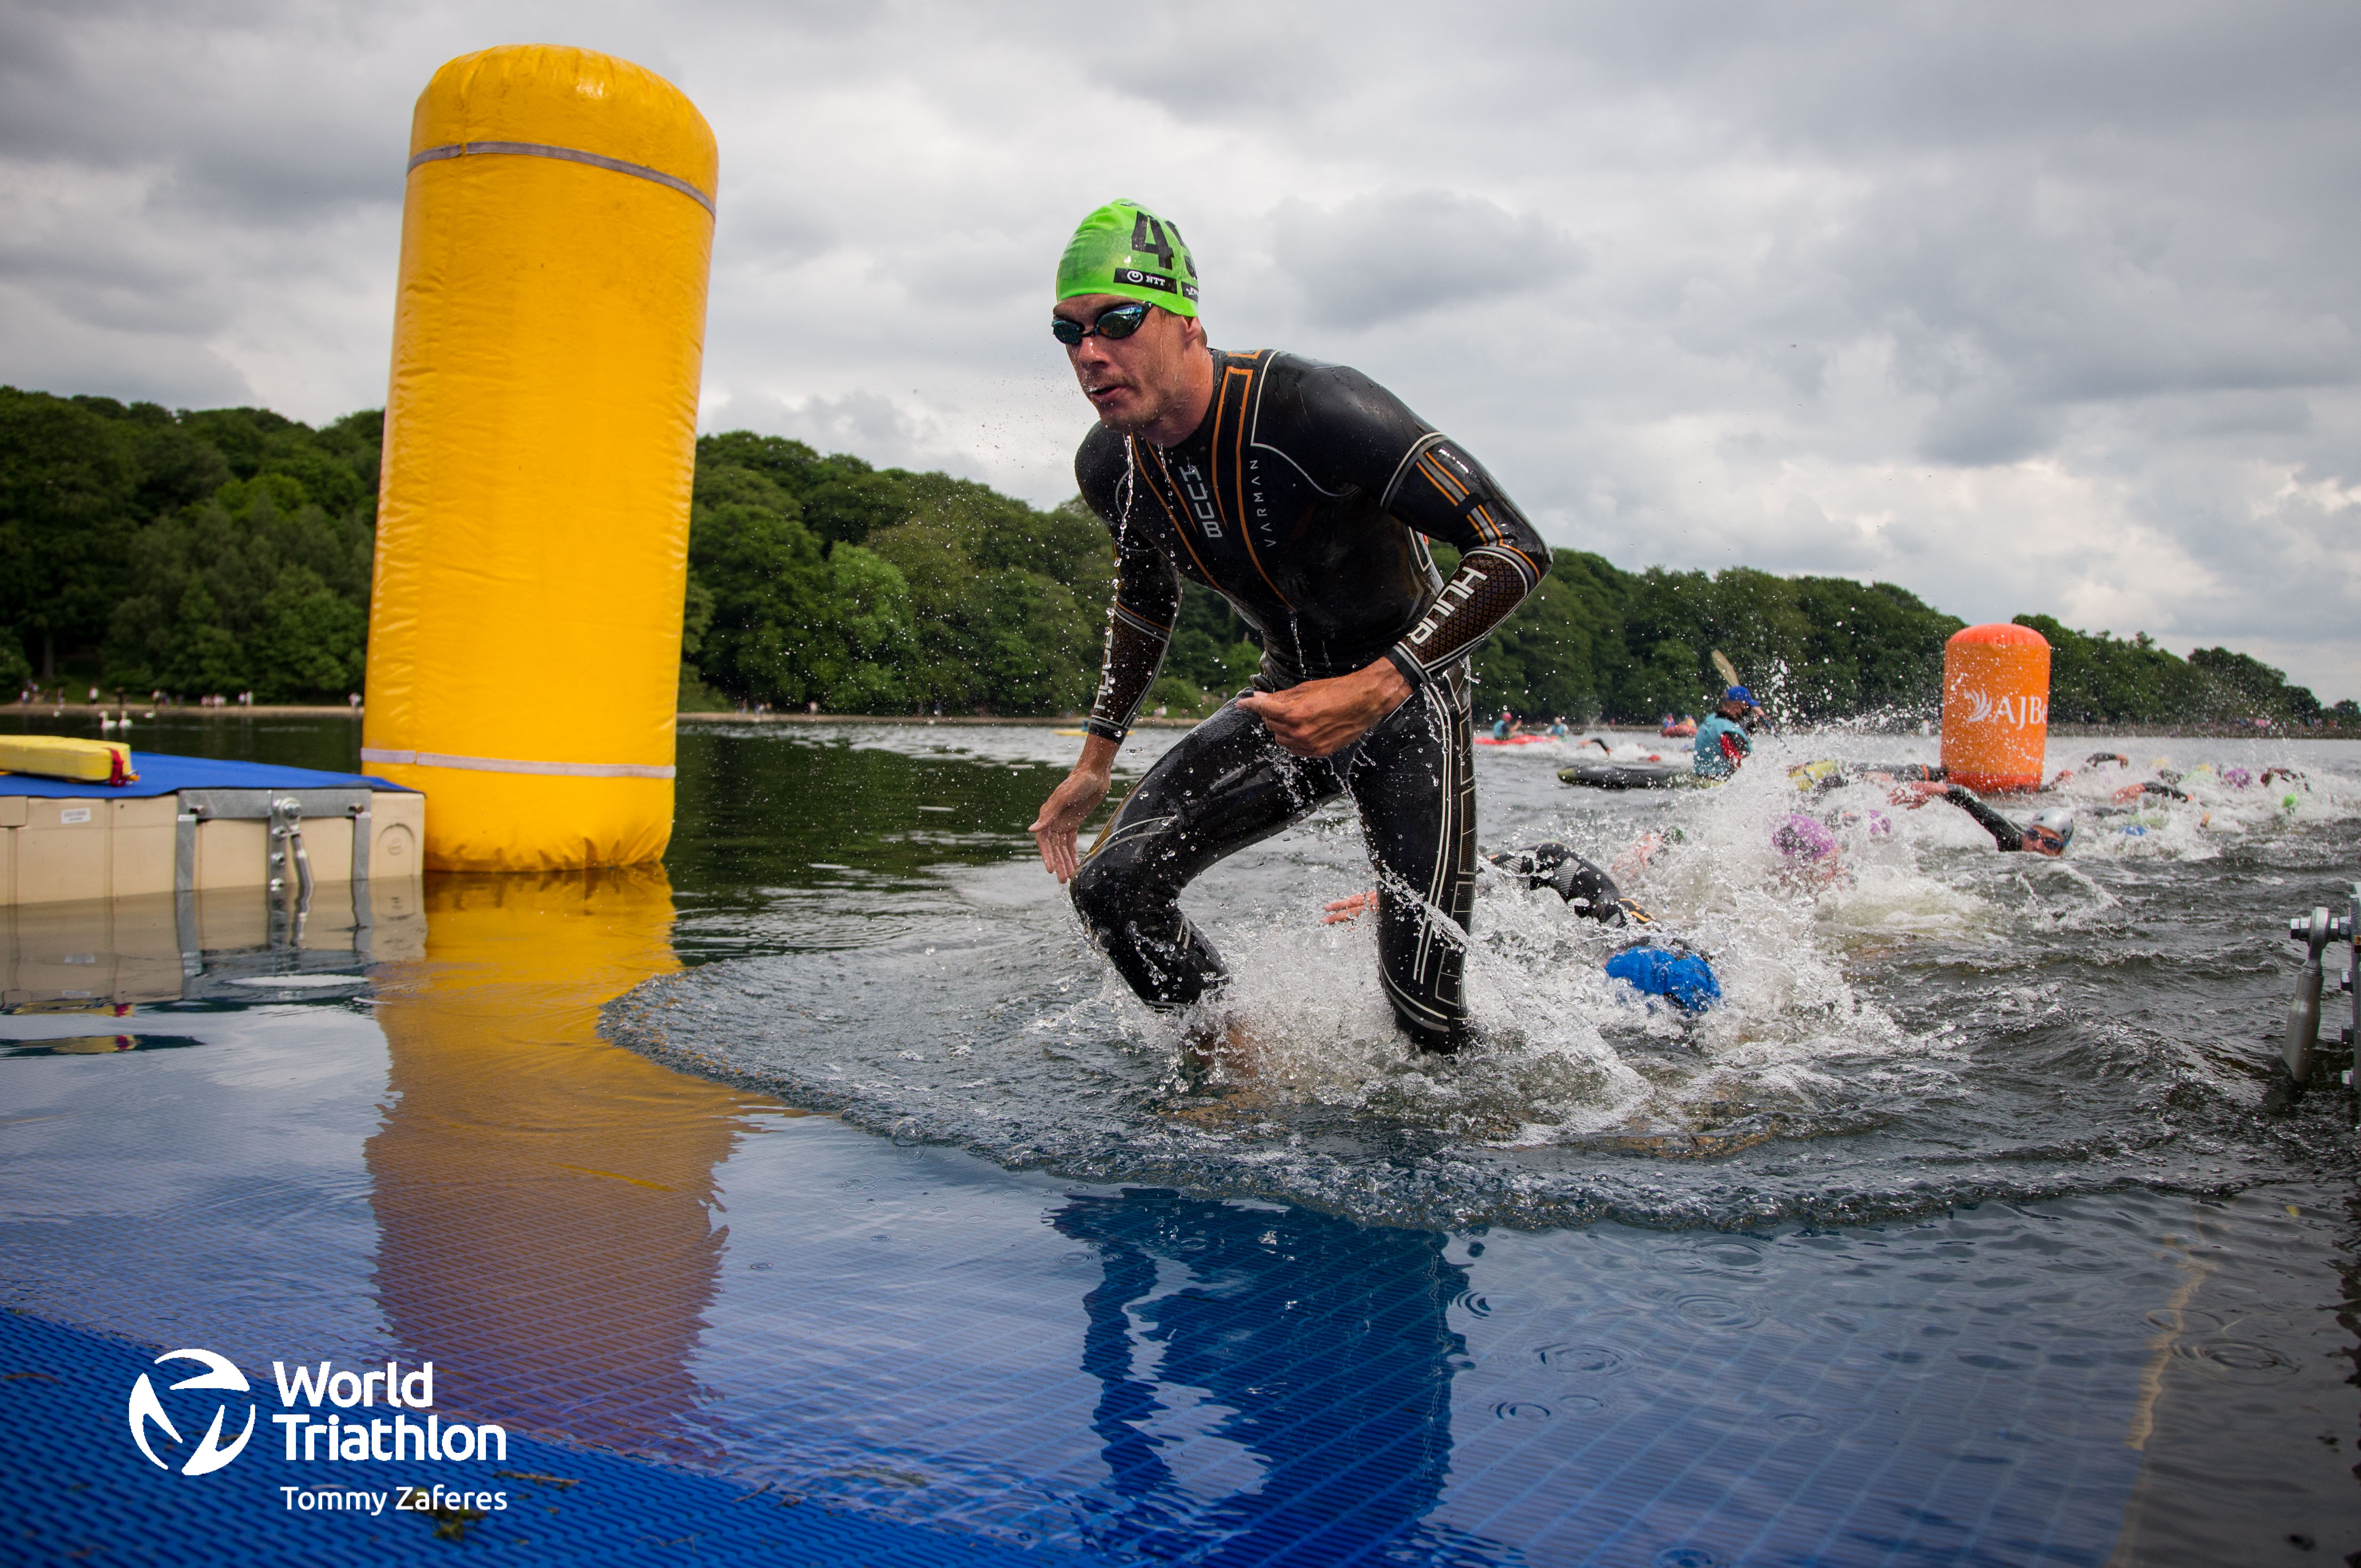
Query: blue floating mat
point(79, 1491)
point(162, 774)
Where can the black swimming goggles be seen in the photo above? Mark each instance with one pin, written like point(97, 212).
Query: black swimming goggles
point(1115, 321)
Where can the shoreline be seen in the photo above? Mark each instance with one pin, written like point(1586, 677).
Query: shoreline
point(296, 710)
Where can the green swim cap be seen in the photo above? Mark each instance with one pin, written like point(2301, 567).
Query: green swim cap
point(1123, 249)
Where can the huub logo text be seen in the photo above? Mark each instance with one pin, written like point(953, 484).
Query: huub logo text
point(1456, 592)
point(1200, 499)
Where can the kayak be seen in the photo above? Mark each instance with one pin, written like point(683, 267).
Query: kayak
point(1516, 741)
point(1630, 773)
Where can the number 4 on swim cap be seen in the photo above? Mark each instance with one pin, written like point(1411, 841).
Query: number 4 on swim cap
point(1125, 250)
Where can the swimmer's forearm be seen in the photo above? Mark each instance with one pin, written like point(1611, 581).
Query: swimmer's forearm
point(1097, 760)
point(1133, 655)
point(2006, 834)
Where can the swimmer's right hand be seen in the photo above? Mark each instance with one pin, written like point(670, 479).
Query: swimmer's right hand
point(1916, 793)
point(1071, 805)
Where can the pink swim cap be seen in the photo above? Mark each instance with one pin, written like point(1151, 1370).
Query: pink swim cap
point(1802, 837)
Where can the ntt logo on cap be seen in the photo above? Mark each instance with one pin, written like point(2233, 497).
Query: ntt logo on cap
point(1139, 279)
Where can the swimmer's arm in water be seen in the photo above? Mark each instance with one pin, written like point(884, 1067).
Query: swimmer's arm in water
point(1353, 908)
point(2006, 834)
point(1071, 805)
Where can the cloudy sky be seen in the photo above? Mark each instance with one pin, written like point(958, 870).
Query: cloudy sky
point(2024, 308)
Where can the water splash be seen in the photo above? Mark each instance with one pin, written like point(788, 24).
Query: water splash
point(1932, 1024)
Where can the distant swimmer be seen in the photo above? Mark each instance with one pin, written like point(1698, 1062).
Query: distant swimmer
point(2048, 833)
point(1828, 773)
point(1722, 741)
point(1304, 494)
point(1590, 891)
point(1656, 965)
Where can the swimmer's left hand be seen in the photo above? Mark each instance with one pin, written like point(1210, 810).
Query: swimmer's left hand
point(1351, 908)
point(1320, 718)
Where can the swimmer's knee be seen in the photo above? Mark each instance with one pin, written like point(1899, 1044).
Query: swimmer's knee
point(1098, 891)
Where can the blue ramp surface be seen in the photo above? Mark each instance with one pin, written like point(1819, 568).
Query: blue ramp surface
point(80, 1492)
point(163, 774)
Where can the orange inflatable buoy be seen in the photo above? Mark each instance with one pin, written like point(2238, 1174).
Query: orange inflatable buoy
point(1995, 707)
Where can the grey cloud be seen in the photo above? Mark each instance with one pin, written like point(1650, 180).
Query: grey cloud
point(2023, 309)
point(1372, 259)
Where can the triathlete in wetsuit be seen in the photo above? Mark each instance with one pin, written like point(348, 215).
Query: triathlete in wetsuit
point(1588, 890)
point(1304, 494)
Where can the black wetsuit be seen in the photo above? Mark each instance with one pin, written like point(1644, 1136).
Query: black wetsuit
point(1305, 498)
point(2007, 837)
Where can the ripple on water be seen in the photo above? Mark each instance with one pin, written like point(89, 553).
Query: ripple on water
point(1710, 1312)
point(2236, 1360)
point(1593, 1360)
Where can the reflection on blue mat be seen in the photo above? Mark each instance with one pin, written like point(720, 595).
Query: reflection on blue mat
point(1342, 1392)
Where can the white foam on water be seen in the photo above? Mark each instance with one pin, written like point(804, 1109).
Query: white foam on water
point(1923, 1022)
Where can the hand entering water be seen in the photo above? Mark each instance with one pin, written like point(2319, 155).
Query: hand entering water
point(1071, 805)
point(1320, 718)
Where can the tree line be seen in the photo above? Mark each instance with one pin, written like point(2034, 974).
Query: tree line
point(206, 551)
point(225, 550)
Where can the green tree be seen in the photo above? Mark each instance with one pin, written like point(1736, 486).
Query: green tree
point(68, 484)
point(254, 589)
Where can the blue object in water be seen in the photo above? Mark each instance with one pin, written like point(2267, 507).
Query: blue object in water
point(1685, 978)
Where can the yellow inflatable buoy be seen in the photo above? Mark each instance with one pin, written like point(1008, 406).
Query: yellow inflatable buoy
point(540, 441)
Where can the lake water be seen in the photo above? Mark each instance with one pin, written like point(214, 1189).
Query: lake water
point(1968, 1229)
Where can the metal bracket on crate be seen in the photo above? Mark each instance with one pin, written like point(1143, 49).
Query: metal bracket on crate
point(2301, 1042)
point(284, 810)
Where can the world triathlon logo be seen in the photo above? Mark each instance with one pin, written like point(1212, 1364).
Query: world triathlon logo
point(147, 1409)
point(350, 1428)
